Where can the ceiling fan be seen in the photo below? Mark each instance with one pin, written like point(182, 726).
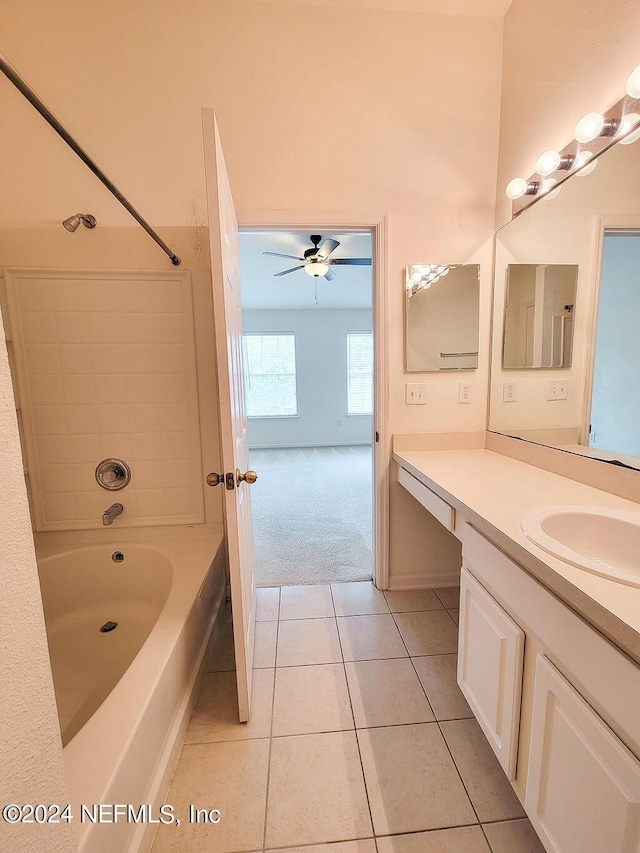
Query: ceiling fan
point(316, 261)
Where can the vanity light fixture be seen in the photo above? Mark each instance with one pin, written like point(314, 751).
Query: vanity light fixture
point(593, 125)
point(548, 188)
point(627, 123)
point(423, 276)
point(553, 161)
point(585, 164)
point(518, 187)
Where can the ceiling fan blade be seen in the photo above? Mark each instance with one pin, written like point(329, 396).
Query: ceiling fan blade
point(280, 255)
point(286, 272)
point(330, 275)
point(352, 262)
point(327, 247)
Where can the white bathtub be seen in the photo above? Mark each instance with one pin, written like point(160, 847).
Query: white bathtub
point(125, 695)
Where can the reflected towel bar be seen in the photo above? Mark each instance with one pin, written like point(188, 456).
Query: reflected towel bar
point(457, 354)
point(10, 72)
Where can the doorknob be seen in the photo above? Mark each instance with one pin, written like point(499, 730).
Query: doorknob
point(215, 479)
point(249, 477)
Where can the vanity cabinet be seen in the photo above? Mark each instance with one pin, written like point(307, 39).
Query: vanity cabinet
point(490, 667)
point(559, 704)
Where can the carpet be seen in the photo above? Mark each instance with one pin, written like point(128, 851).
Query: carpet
point(312, 515)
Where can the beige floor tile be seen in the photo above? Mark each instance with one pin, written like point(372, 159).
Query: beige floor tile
point(449, 595)
point(308, 641)
point(215, 717)
point(386, 693)
point(367, 845)
point(454, 613)
point(231, 777)
point(264, 650)
point(316, 791)
point(514, 836)
point(404, 600)
point(490, 791)
point(267, 603)
point(310, 699)
point(464, 839)
point(431, 632)
point(370, 638)
point(411, 780)
point(438, 676)
point(306, 602)
point(358, 599)
point(222, 657)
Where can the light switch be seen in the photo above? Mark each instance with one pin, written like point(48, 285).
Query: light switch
point(558, 389)
point(415, 393)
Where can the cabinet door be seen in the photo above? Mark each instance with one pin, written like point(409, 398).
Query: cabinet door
point(490, 665)
point(583, 784)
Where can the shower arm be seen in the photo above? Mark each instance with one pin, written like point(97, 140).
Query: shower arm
point(9, 71)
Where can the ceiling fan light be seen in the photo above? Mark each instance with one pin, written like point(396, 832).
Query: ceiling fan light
point(316, 269)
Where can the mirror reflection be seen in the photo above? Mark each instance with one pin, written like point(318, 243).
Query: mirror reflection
point(567, 295)
point(538, 319)
point(442, 306)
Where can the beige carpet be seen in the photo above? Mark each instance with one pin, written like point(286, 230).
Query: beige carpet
point(312, 515)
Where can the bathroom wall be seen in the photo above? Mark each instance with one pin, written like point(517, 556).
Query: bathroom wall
point(30, 747)
point(321, 372)
point(561, 60)
point(404, 139)
point(106, 366)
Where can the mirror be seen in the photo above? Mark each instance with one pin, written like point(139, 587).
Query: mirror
point(441, 322)
point(566, 347)
point(538, 317)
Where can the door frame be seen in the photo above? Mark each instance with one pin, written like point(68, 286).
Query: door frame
point(376, 224)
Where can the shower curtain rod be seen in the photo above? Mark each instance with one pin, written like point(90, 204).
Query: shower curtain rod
point(45, 112)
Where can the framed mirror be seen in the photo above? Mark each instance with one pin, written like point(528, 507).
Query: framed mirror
point(566, 341)
point(441, 317)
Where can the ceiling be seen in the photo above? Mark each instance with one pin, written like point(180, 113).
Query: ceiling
point(260, 290)
point(476, 8)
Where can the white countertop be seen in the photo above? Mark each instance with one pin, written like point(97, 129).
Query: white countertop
point(494, 492)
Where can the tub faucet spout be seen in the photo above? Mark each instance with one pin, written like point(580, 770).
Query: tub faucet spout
point(113, 512)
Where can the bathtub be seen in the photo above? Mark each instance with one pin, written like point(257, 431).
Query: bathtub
point(125, 693)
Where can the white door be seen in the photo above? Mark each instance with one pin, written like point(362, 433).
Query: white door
point(490, 667)
point(583, 784)
point(225, 274)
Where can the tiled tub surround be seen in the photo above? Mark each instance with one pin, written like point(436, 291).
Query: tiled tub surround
point(106, 367)
point(494, 492)
point(126, 751)
point(359, 741)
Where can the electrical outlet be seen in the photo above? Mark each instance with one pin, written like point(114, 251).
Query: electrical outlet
point(415, 394)
point(464, 392)
point(558, 389)
point(509, 392)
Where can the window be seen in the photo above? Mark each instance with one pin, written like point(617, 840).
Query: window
point(271, 374)
point(359, 373)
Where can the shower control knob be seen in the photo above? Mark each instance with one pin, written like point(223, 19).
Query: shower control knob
point(249, 477)
point(214, 479)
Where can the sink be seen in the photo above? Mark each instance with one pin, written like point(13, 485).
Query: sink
point(602, 541)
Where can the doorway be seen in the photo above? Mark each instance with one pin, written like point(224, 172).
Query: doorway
point(309, 376)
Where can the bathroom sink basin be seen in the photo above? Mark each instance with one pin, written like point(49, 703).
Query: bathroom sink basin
point(602, 541)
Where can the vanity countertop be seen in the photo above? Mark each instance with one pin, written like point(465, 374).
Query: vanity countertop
point(494, 492)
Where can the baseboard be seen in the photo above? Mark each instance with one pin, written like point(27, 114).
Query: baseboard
point(313, 444)
point(423, 581)
point(143, 839)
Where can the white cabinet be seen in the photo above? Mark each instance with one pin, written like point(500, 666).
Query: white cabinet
point(583, 784)
point(490, 666)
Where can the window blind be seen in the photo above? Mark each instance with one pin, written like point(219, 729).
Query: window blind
point(359, 373)
point(270, 359)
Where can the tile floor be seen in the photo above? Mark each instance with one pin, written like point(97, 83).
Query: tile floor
point(359, 742)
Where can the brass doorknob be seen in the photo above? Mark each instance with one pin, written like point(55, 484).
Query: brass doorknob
point(214, 479)
point(249, 478)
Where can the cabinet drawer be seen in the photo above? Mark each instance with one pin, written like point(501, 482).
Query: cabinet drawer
point(490, 668)
point(438, 508)
point(583, 784)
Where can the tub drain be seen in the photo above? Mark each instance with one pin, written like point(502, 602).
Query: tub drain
point(117, 556)
point(108, 626)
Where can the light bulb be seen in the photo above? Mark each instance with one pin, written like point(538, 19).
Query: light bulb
point(590, 127)
point(445, 271)
point(547, 163)
point(516, 188)
point(316, 269)
point(633, 83)
point(416, 276)
point(547, 188)
point(585, 164)
point(627, 123)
